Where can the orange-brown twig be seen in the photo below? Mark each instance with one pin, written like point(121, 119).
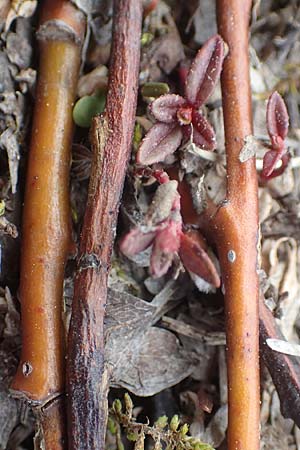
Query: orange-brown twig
point(46, 219)
point(236, 227)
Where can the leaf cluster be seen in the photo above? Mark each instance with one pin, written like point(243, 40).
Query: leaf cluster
point(171, 433)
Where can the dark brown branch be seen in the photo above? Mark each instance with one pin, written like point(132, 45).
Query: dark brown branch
point(111, 136)
point(284, 369)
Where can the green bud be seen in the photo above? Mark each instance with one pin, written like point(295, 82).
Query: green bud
point(131, 436)
point(2, 207)
point(201, 446)
point(184, 429)
point(137, 135)
point(117, 406)
point(161, 422)
point(128, 404)
point(174, 423)
point(154, 89)
point(111, 425)
point(146, 39)
point(86, 108)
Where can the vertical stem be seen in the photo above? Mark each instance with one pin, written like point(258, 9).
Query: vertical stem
point(46, 215)
point(46, 218)
point(111, 137)
point(238, 233)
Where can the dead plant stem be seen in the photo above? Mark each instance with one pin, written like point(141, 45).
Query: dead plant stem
point(111, 135)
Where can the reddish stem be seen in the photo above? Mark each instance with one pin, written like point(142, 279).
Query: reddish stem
point(236, 227)
point(111, 137)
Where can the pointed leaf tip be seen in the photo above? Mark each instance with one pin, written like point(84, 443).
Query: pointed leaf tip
point(135, 241)
point(271, 158)
point(160, 141)
point(195, 259)
point(166, 244)
point(205, 71)
point(203, 132)
point(277, 118)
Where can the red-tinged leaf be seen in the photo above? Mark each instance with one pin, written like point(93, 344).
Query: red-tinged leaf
point(164, 108)
point(160, 141)
point(195, 259)
point(270, 160)
point(205, 71)
point(136, 241)
point(203, 132)
point(166, 244)
point(277, 118)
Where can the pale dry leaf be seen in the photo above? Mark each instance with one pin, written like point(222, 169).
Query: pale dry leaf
point(280, 262)
point(285, 347)
point(9, 417)
point(20, 8)
point(215, 181)
point(250, 148)
point(163, 54)
point(12, 317)
point(182, 328)
point(265, 204)
point(223, 380)
point(143, 359)
point(283, 185)
point(9, 140)
point(90, 82)
point(157, 362)
point(215, 432)
point(204, 21)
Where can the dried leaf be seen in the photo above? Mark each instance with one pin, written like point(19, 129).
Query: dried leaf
point(20, 8)
point(164, 108)
point(9, 141)
point(160, 141)
point(205, 71)
point(156, 363)
point(215, 432)
point(90, 82)
point(144, 359)
point(284, 347)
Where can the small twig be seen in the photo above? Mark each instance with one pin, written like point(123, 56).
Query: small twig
point(111, 134)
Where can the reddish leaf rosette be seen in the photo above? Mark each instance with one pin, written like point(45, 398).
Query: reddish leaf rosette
point(277, 125)
point(179, 117)
point(162, 228)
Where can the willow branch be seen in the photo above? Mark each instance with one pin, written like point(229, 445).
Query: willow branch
point(111, 137)
point(46, 219)
point(237, 233)
point(284, 369)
